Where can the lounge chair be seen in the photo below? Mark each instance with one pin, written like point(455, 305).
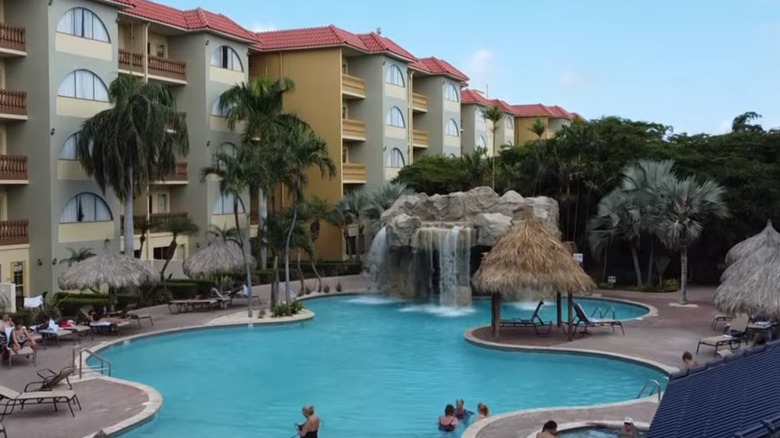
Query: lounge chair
point(50, 380)
point(534, 321)
point(9, 354)
point(11, 399)
point(223, 300)
point(718, 318)
point(182, 306)
point(129, 312)
point(104, 326)
point(56, 335)
point(582, 319)
point(733, 339)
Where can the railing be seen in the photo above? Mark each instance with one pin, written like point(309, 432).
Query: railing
point(653, 385)
point(157, 66)
point(13, 102)
point(603, 312)
point(105, 364)
point(130, 60)
point(179, 174)
point(15, 232)
point(157, 221)
point(419, 139)
point(419, 102)
point(353, 173)
point(13, 37)
point(13, 167)
point(353, 85)
point(353, 130)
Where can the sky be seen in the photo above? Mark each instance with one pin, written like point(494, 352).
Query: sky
point(691, 64)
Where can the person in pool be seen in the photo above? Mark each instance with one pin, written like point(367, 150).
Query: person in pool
point(448, 422)
point(483, 410)
point(549, 430)
point(311, 428)
point(689, 361)
point(461, 413)
point(629, 430)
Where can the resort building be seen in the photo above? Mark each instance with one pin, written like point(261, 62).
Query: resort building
point(478, 131)
point(553, 117)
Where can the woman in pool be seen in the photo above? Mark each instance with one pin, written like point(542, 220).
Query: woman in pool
point(311, 428)
point(461, 413)
point(483, 411)
point(549, 430)
point(448, 422)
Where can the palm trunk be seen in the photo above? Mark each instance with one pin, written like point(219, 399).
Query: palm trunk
point(142, 240)
point(129, 231)
point(243, 254)
point(684, 274)
point(494, 161)
point(604, 269)
point(300, 272)
point(261, 231)
point(637, 269)
point(287, 295)
point(347, 242)
point(275, 282)
point(317, 274)
point(168, 257)
point(651, 259)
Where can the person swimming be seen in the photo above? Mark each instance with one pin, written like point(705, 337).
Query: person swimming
point(483, 410)
point(461, 413)
point(448, 422)
point(311, 428)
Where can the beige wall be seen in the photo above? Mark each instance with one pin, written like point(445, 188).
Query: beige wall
point(83, 47)
point(225, 76)
point(70, 107)
point(86, 232)
point(71, 170)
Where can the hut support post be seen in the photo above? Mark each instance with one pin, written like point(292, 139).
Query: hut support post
point(571, 316)
point(495, 301)
point(558, 307)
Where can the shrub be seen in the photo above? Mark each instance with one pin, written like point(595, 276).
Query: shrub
point(671, 285)
point(338, 286)
point(326, 288)
point(306, 290)
point(70, 306)
point(296, 307)
point(281, 309)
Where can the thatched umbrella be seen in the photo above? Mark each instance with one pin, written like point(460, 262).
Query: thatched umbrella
point(759, 255)
point(749, 245)
point(217, 259)
point(751, 290)
point(530, 263)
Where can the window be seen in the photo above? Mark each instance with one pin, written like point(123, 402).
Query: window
point(226, 57)
point(69, 149)
point(452, 128)
point(83, 84)
point(228, 148)
point(394, 76)
point(18, 270)
point(481, 116)
point(481, 143)
point(397, 159)
point(83, 23)
point(510, 122)
point(85, 207)
point(224, 205)
point(162, 203)
point(217, 110)
point(395, 118)
point(451, 93)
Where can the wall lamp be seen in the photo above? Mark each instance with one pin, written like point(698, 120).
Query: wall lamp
point(52, 131)
point(40, 263)
point(54, 262)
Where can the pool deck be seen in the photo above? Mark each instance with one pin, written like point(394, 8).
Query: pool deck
point(108, 402)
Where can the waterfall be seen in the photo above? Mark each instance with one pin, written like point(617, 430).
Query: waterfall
point(377, 257)
point(442, 262)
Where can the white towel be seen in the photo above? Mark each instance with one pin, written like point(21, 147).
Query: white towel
point(33, 303)
point(53, 326)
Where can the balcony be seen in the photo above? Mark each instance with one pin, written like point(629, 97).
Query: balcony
point(13, 105)
point(419, 139)
point(14, 232)
point(178, 177)
point(353, 130)
point(419, 103)
point(13, 40)
point(13, 169)
point(353, 87)
point(157, 221)
point(161, 69)
point(353, 173)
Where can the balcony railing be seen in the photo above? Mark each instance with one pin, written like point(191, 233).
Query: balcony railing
point(13, 37)
point(419, 139)
point(353, 130)
point(13, 167)
point(157, 221)
point(419, 102)
point(179, 174)
point(14, 232)
point(13, 102)
point(353, 86)
point(353, 173)
point(158, 66)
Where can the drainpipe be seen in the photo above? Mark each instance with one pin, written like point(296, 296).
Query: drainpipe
point(410, 116)
point(145, 52)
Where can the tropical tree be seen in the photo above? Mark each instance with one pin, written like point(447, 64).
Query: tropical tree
point(378, 200)
point(143, 225)
point(618, 218)
point(494, 114)
point(134, 142)
point(317, 209)
point(177, 226)
point(346, 214)
point(78, 255)
point(538, 128)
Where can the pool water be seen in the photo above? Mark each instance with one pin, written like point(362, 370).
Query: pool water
point(371, 367)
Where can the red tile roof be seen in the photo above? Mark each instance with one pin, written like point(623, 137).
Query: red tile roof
point(313, 37)
point(473, 97)
point(157, 12)
point(201, 19)
point(539, 110)
point(377, 44)
point(436, 66)
point(504, 106)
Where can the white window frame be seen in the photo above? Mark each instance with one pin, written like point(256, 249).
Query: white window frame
point(451, 128)
point(394, 76)
point(70, 148)
point(451, 92)
point(510, 121)
point(83, 23)
point(83, 85)
point(78, 209)
point(395, 117)
point(226, 57)
point(397, 160)
point(224, 205)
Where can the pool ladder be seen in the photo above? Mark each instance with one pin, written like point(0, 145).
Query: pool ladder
point(105, 364)
point(603, 312)
point(653, 385)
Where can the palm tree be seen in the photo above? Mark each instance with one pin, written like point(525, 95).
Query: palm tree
point(380, 199)
point(538, 128)
point(687, 205)
point(348, 213)
point(178, 226)
point(233, 171)
point(618, 218)
point(133, 142)
point(494, 114)
point(317, 209)
point(78, 255)
point(143, 225)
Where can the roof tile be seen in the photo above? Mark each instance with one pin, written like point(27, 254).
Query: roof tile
point(377, 43)
point(436, 66)
point(310, 38)
point(473, 97)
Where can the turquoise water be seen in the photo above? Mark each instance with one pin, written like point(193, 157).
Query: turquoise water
point(372, 368)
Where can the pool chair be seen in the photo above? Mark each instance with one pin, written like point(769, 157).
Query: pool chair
point(224, 301)
point(10, 399)
point(51, 380)
point(582, 319)
point(733, 338)
point(110, 327)
point(534, 321)
point(129, 312)
point(9, 354)
point(182, 306)
point(719, 318)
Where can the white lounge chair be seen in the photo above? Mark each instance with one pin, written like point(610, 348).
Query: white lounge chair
point(11, 399)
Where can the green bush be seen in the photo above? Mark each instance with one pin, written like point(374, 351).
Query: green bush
point(325, 269)
point(671, 285)
point(71, 306)
point(286, 309)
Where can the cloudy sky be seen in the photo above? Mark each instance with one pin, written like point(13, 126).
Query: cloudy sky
point(692, 64)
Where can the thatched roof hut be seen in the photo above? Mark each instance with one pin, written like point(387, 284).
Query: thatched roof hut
point(218, 258)
point(758, 257)
point(108, 268)
point(530, 263)
point(752, 289)
point(749, 245)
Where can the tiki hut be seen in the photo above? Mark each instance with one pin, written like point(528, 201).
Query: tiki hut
point(530, 263)
point(749, 245)
point(217, 259)
point(758, 256)
point(752, 289)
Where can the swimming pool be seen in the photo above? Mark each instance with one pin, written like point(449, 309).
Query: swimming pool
point(595, 432)
point(372, 367)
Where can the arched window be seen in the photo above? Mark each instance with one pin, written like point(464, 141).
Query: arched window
point(397, 159)
point(481, 116)
point(85, 207)
point(395, 118)
point(452, 128)
point(70, 148)
point(482, 143)
point(510, 122)
point(451, 93)
point(226, 57)
point(394, 76)
point(228, 148)
point(218, 110)
point(83, 84)
point(224, 205)
point(83, 23)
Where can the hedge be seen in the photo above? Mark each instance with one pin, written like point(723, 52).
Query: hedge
point(325, 269)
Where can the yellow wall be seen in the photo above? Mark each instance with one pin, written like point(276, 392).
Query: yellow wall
point(225, 76)
point(68, 106)
point(86, 232)
point(12, 254)
point(71, 169)
point(317, 100)
point(83, 47)
point(523, 133)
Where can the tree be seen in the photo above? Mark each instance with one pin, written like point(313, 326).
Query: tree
point(618, 218)
point(317, 209)
point(494, 114)
point(78, 256)
point(378, 200)
point(133, 142)
point(143, 225)
point(349, 213)
point(741, 123)
point(177, 226)
point(233, 170)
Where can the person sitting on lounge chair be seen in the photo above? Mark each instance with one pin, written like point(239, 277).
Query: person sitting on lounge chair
point(689, 361)
point(98, 318)
point(18, 337)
